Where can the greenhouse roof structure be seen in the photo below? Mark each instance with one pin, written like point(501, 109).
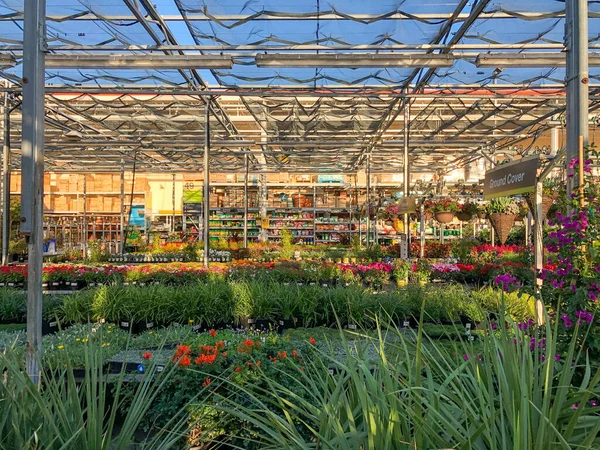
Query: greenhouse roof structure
point(306, 85)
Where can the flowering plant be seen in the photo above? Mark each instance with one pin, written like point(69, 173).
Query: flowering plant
point(443, 205)
point(390, 212)
point(468, 208)
point(572, 278)
point(502, 205)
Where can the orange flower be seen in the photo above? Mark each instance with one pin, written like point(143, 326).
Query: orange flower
point(257, 344)
point(206, 382)
point(184, 361)
point(224, 354)
point(248, 342)
point(182, 350)
point(282, 355)
point(312, 340)
point(302, 368)
point(258, 363)
point(238, 369)
point(147, 355)
point(213, 333)
point(294, 353)
point(207, 359)
point(273, 359)
point(219, 345)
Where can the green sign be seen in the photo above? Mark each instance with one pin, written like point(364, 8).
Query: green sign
point(517, 177)
point(192, 196)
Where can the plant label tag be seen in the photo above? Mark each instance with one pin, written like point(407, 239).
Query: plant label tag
point(52, 324)
point(330, 371)
point(149, 324)
point(125, 324)
point(93, 330)
point(102, 320)
point(471, 338)
point(406, 324)
point(468, 326)
point(196, 327)
point(468, 333)
point(352, 326)
point(250, 321)
point(281, 322)
point(141, 368)
point(160, 368)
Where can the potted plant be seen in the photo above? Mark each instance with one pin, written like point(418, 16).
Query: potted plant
point(401, 271)
point(444, 209)
point(466, 211)
point(502, 212)
point(550, 189)
point(420, 272)
point(482, 211)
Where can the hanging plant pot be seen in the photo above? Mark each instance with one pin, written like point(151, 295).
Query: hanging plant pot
point(464, 217)
point(481, 215)
point(444, 216)
point(502, 224)
point(547, 202)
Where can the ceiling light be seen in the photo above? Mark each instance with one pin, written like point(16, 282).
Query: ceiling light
point(493, 60)
point(137, 61)
point(354, 60)
point(7, 61)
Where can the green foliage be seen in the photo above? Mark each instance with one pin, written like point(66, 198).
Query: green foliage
point(416, 393)
point(63, 412)
point(287, 245)
point(97, 252)
point(502, 205)
point(461, 250)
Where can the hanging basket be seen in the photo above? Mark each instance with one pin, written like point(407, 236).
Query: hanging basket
point(502, 224)
point(547, 202)
point(444, 216)
point(464, 217)
point(482, 215)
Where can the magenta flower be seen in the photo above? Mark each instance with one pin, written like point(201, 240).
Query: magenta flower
point(567, 321)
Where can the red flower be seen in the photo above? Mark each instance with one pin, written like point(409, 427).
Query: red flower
point(294, 353)
point(258, 363)
point(147, 355)
point(206, 382)
point(238, 369)
point(213, 333)
point(182, 350)
point(184, 361)
point(312, 340)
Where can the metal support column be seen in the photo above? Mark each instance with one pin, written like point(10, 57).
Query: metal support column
point(406, 168)
point(422, 229)
point(368, 209)
point(206, 194)
point(173, 200)
point(6, 182)
point(32, 172)
point(577, 77)
point(538, 243)
point(262, 204)
point(246, 200)
point(84, 226)
point(122, 198)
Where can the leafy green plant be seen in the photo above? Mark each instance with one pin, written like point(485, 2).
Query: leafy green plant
point(502, 205)
point(65, 413)
point(503, 392)
point(287, 245)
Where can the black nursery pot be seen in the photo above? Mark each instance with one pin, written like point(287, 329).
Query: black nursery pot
point(262, 324)
point(285, 324)
point(49, 326)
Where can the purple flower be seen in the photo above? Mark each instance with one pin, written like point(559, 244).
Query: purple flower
point(568, 323)
point(506, 281)
point(557, 357)
point(575, 406)
point(593, 403)
point(466, 357)
point(584, 316)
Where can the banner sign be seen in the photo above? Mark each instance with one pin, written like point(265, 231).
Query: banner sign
point(192, 208)
point(265, 222)
point(514, 178)
point(407, 205)
point(192, 196)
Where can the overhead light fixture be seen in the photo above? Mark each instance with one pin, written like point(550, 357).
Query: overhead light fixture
point(7, 60)
point(353, 60)
point(137, 61)
point(494, 60)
